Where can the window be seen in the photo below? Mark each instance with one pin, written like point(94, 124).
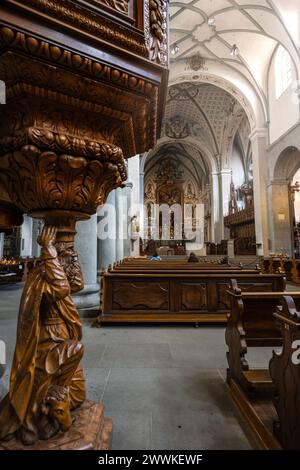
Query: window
point(283, 71)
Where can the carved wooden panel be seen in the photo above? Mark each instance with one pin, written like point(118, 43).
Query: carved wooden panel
point(193, 296)
point(223, 301)
point(119, 5)
point(140, 295)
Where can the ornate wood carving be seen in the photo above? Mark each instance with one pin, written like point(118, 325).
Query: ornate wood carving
point(10, 216)
point(235, 338)
point(285, 372)
point(120, 5)
point(101, 27)
point(127, 108)
point(138, 295)
point(90, 431)
point(134, 296)
point(290, 266)
point(158, 31)
point(60, 181)
point(194, 296)
point(46, 380)
point(81, 94)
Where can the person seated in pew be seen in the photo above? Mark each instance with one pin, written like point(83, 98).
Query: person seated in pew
point(154, 257)
point(224, 260)
point(193, 258)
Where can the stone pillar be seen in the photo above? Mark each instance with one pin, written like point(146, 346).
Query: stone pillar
point(280, 217)
point(86, 246)
point(217, 218)
point(221, 189)
point(26, 237)
point(121, 222)
point(135, 201)
point(127, 195)
point(36, 228)
point(106, 247)
point(141, 201)
point(260, 177)
point(1, 244)
point(225, 181)
point(230, 249)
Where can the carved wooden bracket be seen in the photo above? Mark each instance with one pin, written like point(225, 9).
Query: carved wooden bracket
point(40, 180)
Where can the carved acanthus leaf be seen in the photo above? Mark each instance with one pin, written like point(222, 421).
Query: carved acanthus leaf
point(42, 180)
point(120, 5)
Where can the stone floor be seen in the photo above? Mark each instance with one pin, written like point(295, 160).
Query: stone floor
point(163, 386)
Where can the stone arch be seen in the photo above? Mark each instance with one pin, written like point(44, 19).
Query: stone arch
point(193, 142)
point(254, 107)
point(285, 168)
point(287, 164)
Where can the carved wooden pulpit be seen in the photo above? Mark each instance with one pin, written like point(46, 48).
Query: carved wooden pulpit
point(85, 89)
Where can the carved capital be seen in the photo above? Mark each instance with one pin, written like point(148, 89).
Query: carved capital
point(37, 179)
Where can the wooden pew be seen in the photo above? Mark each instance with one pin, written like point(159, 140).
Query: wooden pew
point(182, 271)
point(285, 373)
point(191, 297)
point(161, 266)
point(11, 272)
point(251, 323)
point(290, 266)
point(174, 268)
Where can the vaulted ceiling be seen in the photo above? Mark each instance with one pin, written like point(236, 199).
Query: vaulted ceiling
point(257, 27)
point(203, 111)
point(191, 159)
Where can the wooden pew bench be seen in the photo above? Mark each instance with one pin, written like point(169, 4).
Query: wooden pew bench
point(285, 373)
point(181, 270)
point(274, 417)
point(251, 323)
point(152, 266)
point(11, 273)
point(171, 297)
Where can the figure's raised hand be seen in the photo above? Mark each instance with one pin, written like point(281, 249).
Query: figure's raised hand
point(48, 236)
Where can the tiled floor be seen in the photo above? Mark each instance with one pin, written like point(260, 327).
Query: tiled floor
point(163, 386)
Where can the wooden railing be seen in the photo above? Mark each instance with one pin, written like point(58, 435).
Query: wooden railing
point(290, 266)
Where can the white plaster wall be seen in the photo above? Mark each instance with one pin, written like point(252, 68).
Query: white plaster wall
point(284, 111)
point(238, 173)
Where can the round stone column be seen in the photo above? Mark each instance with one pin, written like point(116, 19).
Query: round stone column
point(86, 246)
point(107, 245)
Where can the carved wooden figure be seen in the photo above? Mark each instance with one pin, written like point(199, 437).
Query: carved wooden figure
point(46, 380)
point(82, 95)
point(285, 372)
